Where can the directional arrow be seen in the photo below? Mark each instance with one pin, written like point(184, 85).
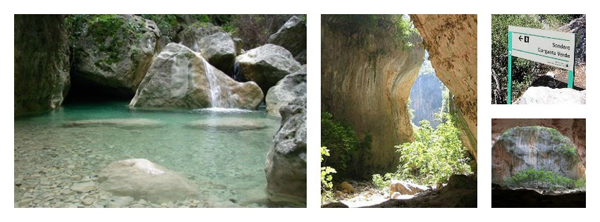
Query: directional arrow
point(521, 38)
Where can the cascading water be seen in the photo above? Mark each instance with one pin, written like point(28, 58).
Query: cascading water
point(216, 92)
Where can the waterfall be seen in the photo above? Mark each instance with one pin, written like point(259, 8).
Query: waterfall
point(215, 89)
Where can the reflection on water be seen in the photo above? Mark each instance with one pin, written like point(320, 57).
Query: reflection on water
point(226, 165)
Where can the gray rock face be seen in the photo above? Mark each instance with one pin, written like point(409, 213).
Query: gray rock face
point(142, 179)
point(578, 27)
point(286, 161)
point(292, 36)
point(219, 49)
point(266, 65)
point(546, 95)
point(193, 33)
point(286, 90)
point(181, 79)
point(534, 147)
point(116, 52)
point(41, 63)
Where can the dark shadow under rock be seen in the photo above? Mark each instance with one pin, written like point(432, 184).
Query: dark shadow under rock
point(503, 197)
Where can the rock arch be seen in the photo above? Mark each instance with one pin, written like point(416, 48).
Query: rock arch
point(366, 79)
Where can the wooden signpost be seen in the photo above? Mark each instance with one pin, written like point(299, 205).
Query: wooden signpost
point(548, 47)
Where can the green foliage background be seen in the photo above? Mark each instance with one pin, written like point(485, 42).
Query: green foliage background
point(349, 154)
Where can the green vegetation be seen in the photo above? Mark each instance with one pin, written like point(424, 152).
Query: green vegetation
point(362, 25)
point(326, 178)
point(349, 154)
point(524, 72)
point(544, 180)
point(435, 155)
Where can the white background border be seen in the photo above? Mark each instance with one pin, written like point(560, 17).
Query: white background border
point(314, 9)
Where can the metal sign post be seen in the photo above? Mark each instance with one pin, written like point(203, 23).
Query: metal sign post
point(548, 47)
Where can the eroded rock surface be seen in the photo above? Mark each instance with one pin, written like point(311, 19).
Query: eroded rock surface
point(41, 63)
point(181, 79)
point(451, 41)
point(366, 80)
point(267, 64)
point(574, 129)
point(537, 148)
point(289, 88)
point(286, 161)
point(142, 179)
point(115, 51)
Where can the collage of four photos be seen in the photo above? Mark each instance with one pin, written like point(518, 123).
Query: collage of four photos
point(210, 111)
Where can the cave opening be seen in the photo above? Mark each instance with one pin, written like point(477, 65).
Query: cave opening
point(537, 166)
point(426, 96)
point(83, 90)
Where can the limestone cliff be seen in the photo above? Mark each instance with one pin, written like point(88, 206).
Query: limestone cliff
point(574, 129)
point(41, 63)
point(451, 41)
point(366, 79)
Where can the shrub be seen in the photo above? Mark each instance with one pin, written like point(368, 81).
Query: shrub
point(349, 154)
point(435, 155)
point(543, 179)
point(326, 178)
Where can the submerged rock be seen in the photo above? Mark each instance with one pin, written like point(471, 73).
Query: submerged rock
point(547, 95)
point(115, 51)
point(266, 65)
point(181, 79)
point(292, 36)
point(286, 161)
point(41, 62)
point(125, 123)
point(142, 179)
point(289, 88)
point(228, 124)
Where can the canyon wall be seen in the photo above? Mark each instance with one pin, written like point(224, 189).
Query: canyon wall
point(366, 79)
point(41, 63)
point(451, 41)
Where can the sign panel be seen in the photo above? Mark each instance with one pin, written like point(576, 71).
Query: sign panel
point(548, 47)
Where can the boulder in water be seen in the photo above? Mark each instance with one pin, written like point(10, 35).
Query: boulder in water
point(219, 49)
point(546, 95)
point(289, 88)
point(181, 79)
point(115, 51)
point(286, 161)
point(266, 65)
point(142, 179)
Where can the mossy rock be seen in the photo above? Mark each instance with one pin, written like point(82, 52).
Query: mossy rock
point(113, 51)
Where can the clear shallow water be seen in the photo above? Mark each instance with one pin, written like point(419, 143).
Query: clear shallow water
point(226, 166)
